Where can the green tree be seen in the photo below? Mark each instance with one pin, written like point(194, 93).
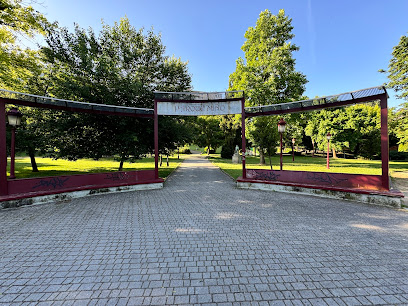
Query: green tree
point(398, 69)
point(120, 66)
point(17, 22)
point(209, 133)
point(268, 74)
point(260, 131)
point(231, 128)
point(399, 126)
point(356, 128)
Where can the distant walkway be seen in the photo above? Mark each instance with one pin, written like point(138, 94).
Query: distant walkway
point(201, 240)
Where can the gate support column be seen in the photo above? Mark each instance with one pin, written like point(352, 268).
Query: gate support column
point(3, 151)
point(243, 139)
point(385, 180)
point(156, 142)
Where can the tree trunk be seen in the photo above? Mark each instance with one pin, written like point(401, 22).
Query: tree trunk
point(262, 156)
point(167, 160)
point(334, 153)
point(33, 162)
point(121, 165)
point(313, 151)
point(208, 150)
point(270, 161)
point(178, 153)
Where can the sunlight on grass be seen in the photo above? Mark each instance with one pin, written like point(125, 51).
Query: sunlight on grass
point(312, 164)
point(51, 167)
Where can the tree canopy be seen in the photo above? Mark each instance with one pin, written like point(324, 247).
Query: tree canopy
point(398, 69)
point(267, 73)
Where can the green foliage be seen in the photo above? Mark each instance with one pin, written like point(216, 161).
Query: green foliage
point(356, 128)
point(263, 131)
point(398, 69)
point(394, 155)
point(120, 66)
point(268, 73)
point(231, 128)
point(209, 133)
point(314, 164)
point(227, 151)
point(399, 126)
point(18, 21)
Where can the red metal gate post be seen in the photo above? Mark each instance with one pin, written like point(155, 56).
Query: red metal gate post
point(13, 153)
point(156, 142)
point(3, 151)
point(384, 144)
point(243, 138)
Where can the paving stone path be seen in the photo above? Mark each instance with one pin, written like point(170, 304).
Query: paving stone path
point(200, 240)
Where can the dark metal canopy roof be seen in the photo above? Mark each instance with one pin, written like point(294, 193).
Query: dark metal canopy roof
point(352, 97)
point(19, 98)
point(197, 96)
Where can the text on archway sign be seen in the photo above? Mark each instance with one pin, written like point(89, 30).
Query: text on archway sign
point(199, 108)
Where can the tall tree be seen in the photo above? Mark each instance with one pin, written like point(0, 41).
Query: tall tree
point(399, 126)
point(398, 69)
point(268, 74)
point(18, 22)
point(120, 66)
point(209, 132)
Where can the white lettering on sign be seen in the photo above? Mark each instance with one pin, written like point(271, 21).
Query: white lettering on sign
point(199, 109)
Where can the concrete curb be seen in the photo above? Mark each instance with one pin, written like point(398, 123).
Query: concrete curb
point(364, 198)
point(67, 196)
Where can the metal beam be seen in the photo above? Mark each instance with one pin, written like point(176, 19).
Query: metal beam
point(316, 107)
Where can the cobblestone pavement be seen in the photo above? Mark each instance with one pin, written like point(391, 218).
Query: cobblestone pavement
point(200, 240)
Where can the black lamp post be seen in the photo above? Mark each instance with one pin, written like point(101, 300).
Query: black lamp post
point(14, 120)
point(328, 136)
point(281, 130)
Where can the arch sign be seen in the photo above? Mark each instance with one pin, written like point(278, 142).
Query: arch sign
point(198, 104)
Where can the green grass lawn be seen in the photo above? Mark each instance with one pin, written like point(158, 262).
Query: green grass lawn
point(51, 167)
point(313, 164)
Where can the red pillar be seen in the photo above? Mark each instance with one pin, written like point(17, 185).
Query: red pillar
point(13, 153)
point(281, 161)
point(156, 142)
point(384, 144)
point(3, 152)
point(243, 139)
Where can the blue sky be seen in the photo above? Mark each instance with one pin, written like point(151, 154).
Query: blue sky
point(342, 44)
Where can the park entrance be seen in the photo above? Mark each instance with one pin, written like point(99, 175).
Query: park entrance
point(196, 104)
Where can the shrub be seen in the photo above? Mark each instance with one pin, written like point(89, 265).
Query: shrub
point(394, 155)
point(185, 151)
point(227, 151)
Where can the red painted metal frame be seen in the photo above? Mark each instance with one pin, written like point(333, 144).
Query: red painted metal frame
point(3, 151)
point(328, 179)
point(384, 183)
point(23, 188)
point(322, 106)
point(156, 140)
point(13, 153)
point(243, 137)
point(156, 128)
point(76, 110)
